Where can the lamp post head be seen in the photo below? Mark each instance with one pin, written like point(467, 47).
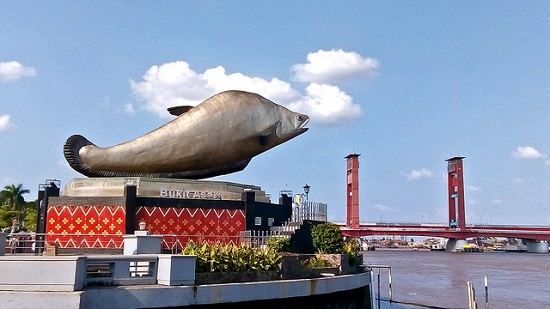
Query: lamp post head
point(306, 188)
point(142, 225)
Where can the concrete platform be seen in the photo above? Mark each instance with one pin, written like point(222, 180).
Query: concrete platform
point(161, 187)
point(313, 292)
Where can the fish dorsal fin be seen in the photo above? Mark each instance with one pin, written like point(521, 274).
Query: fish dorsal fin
point(179, 110)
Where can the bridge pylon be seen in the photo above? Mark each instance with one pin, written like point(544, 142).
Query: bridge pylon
point(455, 176)
point(352, 190)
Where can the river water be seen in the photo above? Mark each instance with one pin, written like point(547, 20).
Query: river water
point(439, 279)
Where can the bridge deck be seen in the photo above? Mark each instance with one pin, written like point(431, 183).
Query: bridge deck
point(434, 230)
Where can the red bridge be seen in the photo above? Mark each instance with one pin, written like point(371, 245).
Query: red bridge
point(455, 229)
point(441, 230)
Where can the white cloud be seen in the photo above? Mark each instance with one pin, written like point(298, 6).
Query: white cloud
point(528, 152)
point(326, 66)
point(13, 70)
point(170, 84)
point(327, 104)
point(5, 123)
point(381, 207)
point(175, 83)
point(496, 201)
point(419, 174)
point(274, 89)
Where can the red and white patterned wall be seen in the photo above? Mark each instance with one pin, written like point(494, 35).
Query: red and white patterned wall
point(88, 226)
point(195, 224)
point(99, 226)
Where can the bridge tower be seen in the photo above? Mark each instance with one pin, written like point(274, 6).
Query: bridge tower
point(455, 176)
point(352, 190)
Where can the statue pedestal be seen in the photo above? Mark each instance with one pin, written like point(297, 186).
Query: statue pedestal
point(142, 243)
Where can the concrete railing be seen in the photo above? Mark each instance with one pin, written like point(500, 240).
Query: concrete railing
point(121, 270)
point(74, 273)
point(38, 273)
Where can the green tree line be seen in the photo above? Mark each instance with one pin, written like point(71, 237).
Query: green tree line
point(16, 214)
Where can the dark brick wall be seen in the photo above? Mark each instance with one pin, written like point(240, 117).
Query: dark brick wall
point(280, 213)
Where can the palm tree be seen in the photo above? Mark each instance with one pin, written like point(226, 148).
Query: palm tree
point(13, 197)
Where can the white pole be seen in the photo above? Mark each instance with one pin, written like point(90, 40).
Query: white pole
point(389, 281)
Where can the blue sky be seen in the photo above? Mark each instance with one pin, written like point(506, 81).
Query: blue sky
point(405, 84)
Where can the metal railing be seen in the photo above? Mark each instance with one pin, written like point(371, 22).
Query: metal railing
point(37, 243)
point(309, 211)
point(258, 239)
point(313, 211)
point(22, 243)
point(378, 268)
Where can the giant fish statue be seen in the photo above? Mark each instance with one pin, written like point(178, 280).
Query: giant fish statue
point(219, 136)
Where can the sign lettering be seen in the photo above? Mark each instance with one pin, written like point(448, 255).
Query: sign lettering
point(190, 194)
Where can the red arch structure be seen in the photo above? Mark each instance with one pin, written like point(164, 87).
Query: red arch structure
point(456, 227)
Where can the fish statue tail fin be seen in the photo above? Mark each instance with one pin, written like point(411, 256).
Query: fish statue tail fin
point(72, 147)
point(71, 152)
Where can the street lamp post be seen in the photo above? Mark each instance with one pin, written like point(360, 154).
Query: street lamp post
point(307, 210)
point(306, 191)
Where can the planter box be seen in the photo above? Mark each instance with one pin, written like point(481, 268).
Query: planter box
point(292, 266)
point(232, 277)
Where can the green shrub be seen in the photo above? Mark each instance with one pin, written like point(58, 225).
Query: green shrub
point(231, 258)
point(352, 247)
point(279, 243)
point(327, 238)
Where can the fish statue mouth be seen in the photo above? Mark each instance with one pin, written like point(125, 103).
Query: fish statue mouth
point(305, 121)
point(217, 137)
point(301, 128)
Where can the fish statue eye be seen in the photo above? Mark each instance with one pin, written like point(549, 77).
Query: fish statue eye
point(299, 118)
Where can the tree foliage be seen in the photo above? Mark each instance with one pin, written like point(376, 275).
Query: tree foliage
point(13, 205)
point(327, 238)
point(12, 196)
point(279, 243)
point(352, 247)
